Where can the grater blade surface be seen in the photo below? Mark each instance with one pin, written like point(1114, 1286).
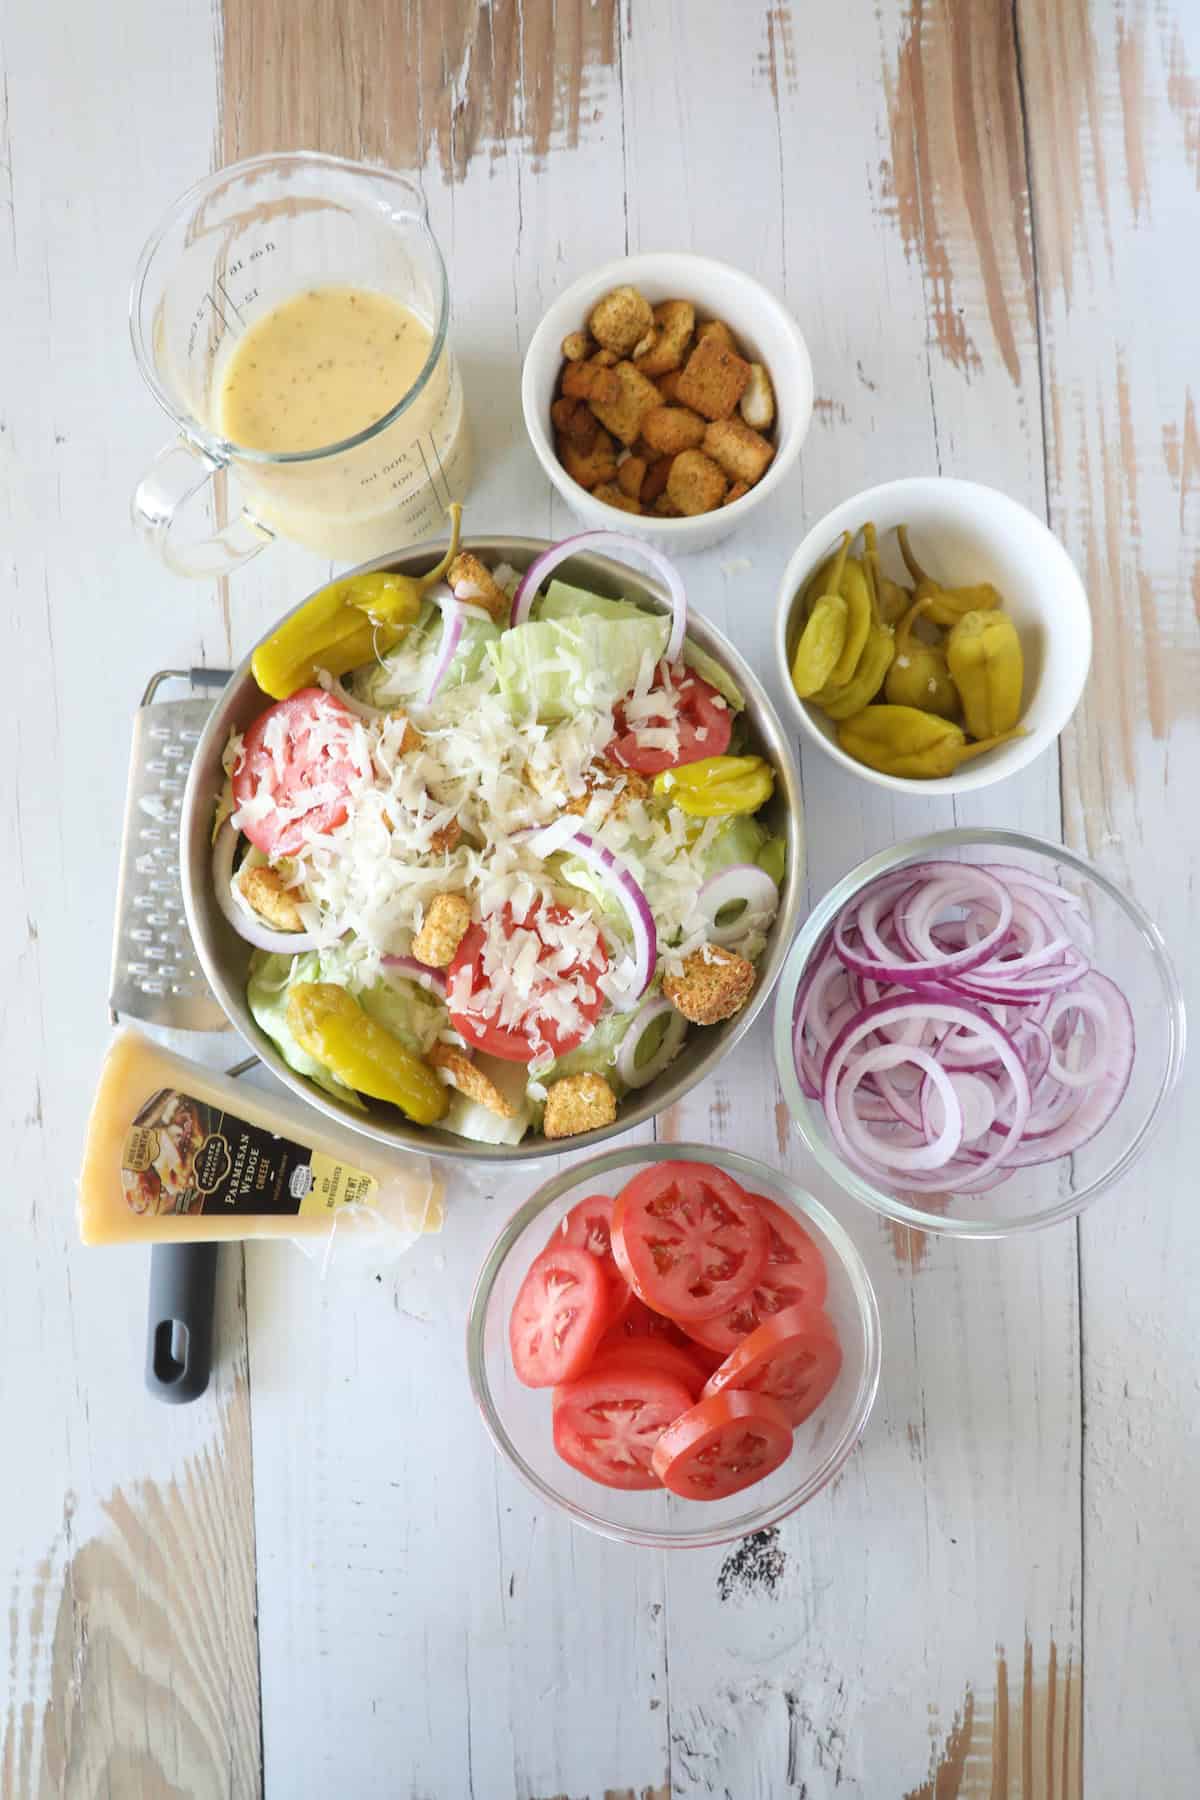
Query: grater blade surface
point(156, 977)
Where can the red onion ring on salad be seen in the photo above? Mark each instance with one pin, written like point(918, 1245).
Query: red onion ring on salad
point(454, 615)
point(546, 840)
point(361, 707)
point(607, 542)
point(432, 980)
point(279, 943)
point(635, 1074)
point(938, 1070)
point(739, 881)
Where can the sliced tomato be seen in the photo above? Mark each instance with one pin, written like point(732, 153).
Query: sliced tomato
point(702, 718)
point(679, 1360)
point(636, 1322)
point(299, 755)
point(722, 1445)
point(558, 1316)
point(792, 1357)
point(588, 1226)
point(794, 1276)
point(688, 1239)
point(607, 1423)
point(489, 1020)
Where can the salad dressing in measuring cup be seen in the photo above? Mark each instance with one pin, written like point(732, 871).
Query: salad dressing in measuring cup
point(291, 316)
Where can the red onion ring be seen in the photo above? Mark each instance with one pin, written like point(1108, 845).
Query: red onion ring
point(453, 614)
point(738, 881)
point(547, 840)
point(432, 980)
point(607, 542)
point(635, 1075)
point(278, 943)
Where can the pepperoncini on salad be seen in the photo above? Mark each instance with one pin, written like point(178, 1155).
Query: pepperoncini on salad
point(346, 625)
point(330, 1025)
point(718, 786)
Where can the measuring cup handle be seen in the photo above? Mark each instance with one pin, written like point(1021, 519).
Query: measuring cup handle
point(178, 473)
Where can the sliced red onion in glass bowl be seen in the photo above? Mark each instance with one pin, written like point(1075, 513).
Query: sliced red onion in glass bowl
point(607, 543)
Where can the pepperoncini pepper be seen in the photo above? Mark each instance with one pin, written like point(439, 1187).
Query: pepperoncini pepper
point(946, 605)
point(855, 589)
point(824, 636)
point(891, 598)
point(346, 624)
point(330, 1024)
point(984, 656)
point(900, 740)
point(861, 689)
point(718, 786)
point(919, 676)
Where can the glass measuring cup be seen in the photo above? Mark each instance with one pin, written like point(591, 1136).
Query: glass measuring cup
point(232, 249)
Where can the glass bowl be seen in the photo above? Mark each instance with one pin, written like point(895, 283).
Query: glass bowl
point(518, 1418)
point(1128, 947)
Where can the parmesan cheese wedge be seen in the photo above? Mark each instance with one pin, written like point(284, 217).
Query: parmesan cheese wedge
point(177, 1153)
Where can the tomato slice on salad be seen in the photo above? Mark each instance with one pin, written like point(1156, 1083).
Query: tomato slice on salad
point(558, 1316)
point(688, 1239)
point(721, 1445)
point(299, 756)
point(515, 988)
point(607, 1424)
point(794, 1275)
point(702, 718)
point(793, 1357)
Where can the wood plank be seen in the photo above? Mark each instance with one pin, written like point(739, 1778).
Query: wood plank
point(132, 1653)
point(888, 173)
point(1113, 143)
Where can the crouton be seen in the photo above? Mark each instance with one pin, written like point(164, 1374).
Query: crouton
point(623, 415)
point(447, 921)
point(445, 838)
point(654, 481)
point(742, 453)
point(630, 475)
point(576, 420)
point(668, 386)
point(464, 1076)
point(590, 381)
point(588, 467)
point(410, 738)
point(646, 344)
point(474, 584)
point(607, 359)
point(666, 508)
point(562, 411)
point(609, 777)
point(757, 404)
point(695, 484)
point(578, 1103)
point(670, 429)
point(576, 346)
point(621, 319)
point(738, 491)
point(271, 898)
point(674, 321)
point(714, 379)
point(612, 495)
point(718, 332)
point(714, 985)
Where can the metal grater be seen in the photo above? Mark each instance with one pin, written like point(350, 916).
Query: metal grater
point(156, 977)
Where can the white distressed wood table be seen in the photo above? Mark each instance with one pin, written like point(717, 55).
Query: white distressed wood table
point(318, 1581)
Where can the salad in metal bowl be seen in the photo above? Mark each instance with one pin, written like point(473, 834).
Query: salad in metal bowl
point(497, 843)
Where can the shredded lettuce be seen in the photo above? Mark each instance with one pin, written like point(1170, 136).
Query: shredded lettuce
point(408, 669)
point(773, 858)
point(549, 669)
point(271, 979)
point(740, 840)
point(597, 1055)
point(562, 601)
point(470, 1120)
point(709, 669)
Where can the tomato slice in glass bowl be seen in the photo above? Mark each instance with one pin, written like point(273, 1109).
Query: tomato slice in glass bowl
point(721, 1445)
point(588, 1226)
point(608, 1422)
point(295, 772)
point(521, 987)
point(679, 1360)
point(793, 1357)
point(688, 1239)
point(701, 717)
point(558, 1316)
point(794, 1275)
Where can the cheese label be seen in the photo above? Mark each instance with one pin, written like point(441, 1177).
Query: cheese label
point(182, 1155)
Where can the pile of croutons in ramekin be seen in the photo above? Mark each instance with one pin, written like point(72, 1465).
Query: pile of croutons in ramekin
point(659, 412)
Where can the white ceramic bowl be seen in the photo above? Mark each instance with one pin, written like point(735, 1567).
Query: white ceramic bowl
point(962, 533)
point(763, 327)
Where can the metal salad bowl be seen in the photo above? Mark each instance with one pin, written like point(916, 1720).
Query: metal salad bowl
point(225, 957)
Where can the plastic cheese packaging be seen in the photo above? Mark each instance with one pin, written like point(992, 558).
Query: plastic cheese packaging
point(177, 1153)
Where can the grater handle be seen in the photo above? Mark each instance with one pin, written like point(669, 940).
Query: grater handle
point(179, 1340)
point(209, 678)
